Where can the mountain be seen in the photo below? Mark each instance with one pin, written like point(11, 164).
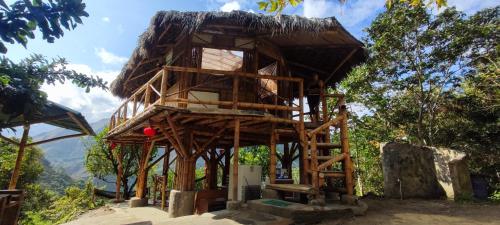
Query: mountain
point(54, 179)
point(68, 154)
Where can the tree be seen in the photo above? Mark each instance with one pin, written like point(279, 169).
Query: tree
point(256, 155)
point(416, 60)
point(101, 162)
point(31, 166)
point(21, 82)
point(431, 79)
point(19, 21)
point(278, 5)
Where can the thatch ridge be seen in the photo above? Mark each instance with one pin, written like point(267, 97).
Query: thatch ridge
point(192, 21)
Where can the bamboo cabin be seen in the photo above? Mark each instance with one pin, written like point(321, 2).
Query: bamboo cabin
point(205, 84)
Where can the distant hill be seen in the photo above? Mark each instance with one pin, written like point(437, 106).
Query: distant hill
point(68, 154)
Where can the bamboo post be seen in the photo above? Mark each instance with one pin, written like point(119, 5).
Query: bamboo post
point(235, 91)
point(314, 162)
point(272, 164)
point(227, 162)
point(166, 163)
point(147, 96)
point(119, 157)
point(134, 106)
point(303, 138)
point(164, 87)
point(213, 170)
point(19, 159)
point(125, 107)
point(344, 140)
point(155, 186)
point(235, 158)
point(324, 109)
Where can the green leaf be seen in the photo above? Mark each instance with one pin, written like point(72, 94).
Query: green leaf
point(32, 24)
point(263, 5)
point(274, 6)
point(294, 3)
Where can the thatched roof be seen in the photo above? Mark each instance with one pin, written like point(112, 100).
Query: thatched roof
point(311, 45)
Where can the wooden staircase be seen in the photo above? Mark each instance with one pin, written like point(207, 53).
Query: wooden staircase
point(322, 153)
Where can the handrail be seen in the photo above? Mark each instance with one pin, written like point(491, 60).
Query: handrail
point(141, 98)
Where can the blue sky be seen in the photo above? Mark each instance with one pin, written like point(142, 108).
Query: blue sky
point(109, 35)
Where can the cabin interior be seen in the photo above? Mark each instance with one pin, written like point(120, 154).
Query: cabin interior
point(202, 85)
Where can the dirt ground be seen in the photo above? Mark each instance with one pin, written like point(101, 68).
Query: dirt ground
point(423, 212)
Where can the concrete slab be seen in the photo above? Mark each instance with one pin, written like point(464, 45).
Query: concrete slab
point(305, 214)
point(118, 214)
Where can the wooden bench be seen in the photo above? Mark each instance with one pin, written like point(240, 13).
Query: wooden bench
point(303, 189)
point(10, 206)
point(210, 200)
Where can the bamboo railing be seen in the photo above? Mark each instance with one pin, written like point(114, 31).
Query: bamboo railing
point(155, 92)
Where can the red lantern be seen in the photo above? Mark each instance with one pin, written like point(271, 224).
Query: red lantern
point(149, 131)
point(112, 145)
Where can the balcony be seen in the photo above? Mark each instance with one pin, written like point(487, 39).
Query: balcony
point(216, 92)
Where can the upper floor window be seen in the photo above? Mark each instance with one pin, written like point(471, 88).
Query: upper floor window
point(221, 59)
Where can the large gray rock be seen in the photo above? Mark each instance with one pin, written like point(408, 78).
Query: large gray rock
point(424, 172)
point(181, 203)
point(409, 172)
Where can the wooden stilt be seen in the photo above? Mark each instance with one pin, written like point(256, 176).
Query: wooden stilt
point(272, 164)
point(119, 159)
point(166, 165)
point(314, 162)
point(235, 158)
point(302, 137)
point(344, 139)
point(19, 159)
point(225, 171)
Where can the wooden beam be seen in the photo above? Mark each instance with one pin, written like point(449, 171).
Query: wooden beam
point(19, 159)
point(207, 143)
point(9, 140)
point(173, 127)
point(55, 139)
point(342, 63)
point(272, 164)
point(80, 124)
point(235, 158)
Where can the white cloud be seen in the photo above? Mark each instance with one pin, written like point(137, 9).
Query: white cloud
point(230, 6)
point(108, 57)
point(106, 19)
point(95, 105)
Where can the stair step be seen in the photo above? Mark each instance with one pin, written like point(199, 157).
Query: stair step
point(322, 145)
point(323, 158)
point(338, 174)
point(328, 145)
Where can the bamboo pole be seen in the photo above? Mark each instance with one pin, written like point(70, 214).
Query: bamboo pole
point(166, 165)
point(231, 73)
point(119, 157)
point(236, 82)
point(272, 164)
point(19, 159)
point(227, 162)
point(344, 139)
point(147, 96)
point(235, 158)
point(314, 162)
point(164, 87)
point(302, 136)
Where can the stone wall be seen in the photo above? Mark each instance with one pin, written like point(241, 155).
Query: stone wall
point(424, 172)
